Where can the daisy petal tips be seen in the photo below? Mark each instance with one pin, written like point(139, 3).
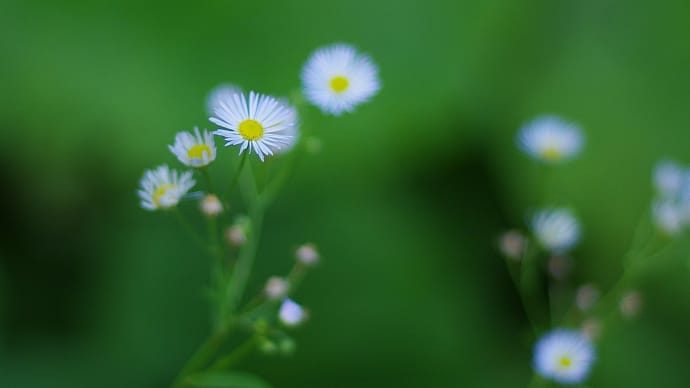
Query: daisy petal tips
point(259, 124)
point(550, 139)
point(162, 188)
point(193, 149)
point(337, 78)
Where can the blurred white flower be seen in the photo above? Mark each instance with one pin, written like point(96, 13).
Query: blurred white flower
point(220, 93)
point(337, 78)
point(557, 230)
point(162, 188)
point(550, 139)
point(260, 124)
point(564, 356)
point(194, 150)
point(290, 313)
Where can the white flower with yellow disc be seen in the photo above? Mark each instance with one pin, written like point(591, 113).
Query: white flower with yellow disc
point(193, 149)
point(162, 188)
point(260, 124)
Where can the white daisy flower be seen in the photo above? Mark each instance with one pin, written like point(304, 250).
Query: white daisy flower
point(550, 139)
point(564, 356)
point(260, 124)
point(290, 313)
point(556, 229)
point(193, 149)
point(220, 93)
point(337, 79)
point(162, 188)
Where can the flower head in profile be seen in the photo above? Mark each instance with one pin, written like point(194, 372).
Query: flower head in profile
point(220, 93)
point(291, 313)
point(337, 78)
point(550, 139)
point(162, 188)
point(556, 229)
point(260, 124)
point(194, 149)
point(564, 356)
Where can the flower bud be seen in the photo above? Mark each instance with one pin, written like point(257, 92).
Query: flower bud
point(267, 346)
point(512, 244)
point(586, 296)
point(591, 328)
point(276, 288)
point(559, 266)
point(211, 206)
point(630, 304)
point(287, 346)
point(236, 235)
point(291, 313)
point(307, 254)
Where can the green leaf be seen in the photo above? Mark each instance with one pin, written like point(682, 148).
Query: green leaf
point(226, 380)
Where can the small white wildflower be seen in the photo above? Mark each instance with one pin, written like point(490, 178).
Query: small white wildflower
point(193, 149)
point(556, 229)
point(291, 314)
point(564, 356)
point(211, 206)
point(276, 288)
point(261, 124)
point(669, 178)
point(307, 254)
point(550, 139)
point(337, 78)
point(162, 188)
point(220, 93)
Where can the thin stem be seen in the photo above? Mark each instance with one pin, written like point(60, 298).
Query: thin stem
point(236, 176)
point(207, 179)
point(188, 227)
point(202, 356)
point(236, 355)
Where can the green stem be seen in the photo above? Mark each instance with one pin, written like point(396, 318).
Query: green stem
point(236, 355)
point(202, 356)
point(207, 179)
point(188, 227)
point(236, 177)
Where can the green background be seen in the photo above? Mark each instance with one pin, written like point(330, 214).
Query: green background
point(405, 200)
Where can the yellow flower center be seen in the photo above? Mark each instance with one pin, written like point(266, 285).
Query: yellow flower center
point(250, 130)
point(339, 84)
point(565, 362)
point(197, 151)
point(551, 153)
point(160, 193)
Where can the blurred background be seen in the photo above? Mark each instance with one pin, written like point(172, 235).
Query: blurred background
point(405, 200)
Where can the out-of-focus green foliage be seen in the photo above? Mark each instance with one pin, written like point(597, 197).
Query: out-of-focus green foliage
point(405, 200)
